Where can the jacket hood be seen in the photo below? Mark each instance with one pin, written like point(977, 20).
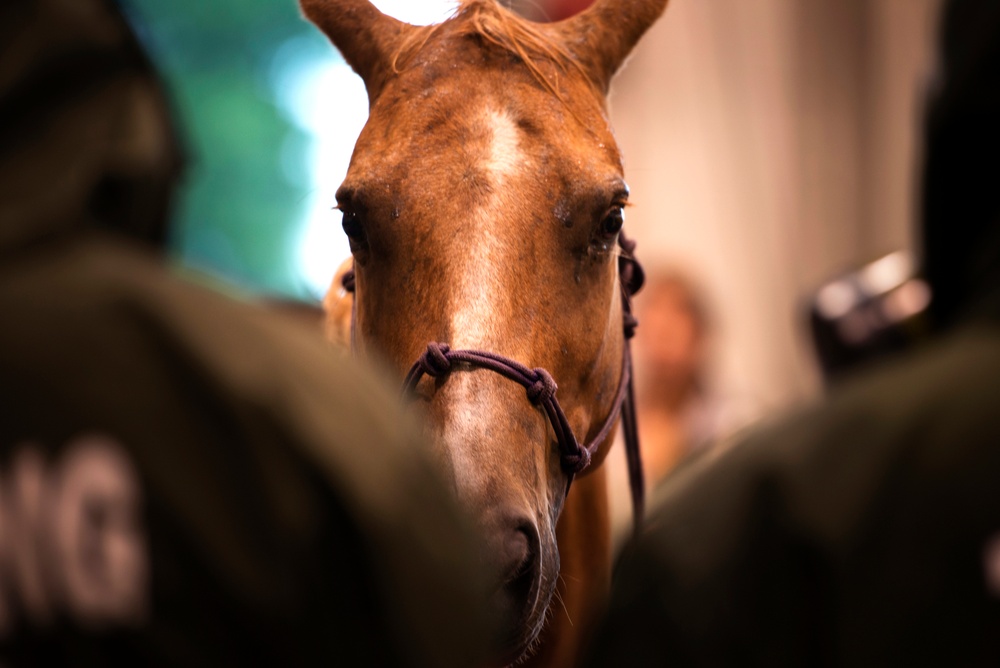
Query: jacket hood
point(961, 188)
point(85, 133)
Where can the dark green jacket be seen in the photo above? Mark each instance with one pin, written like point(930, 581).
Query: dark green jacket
point(282, 513)
point(863, 532)
point(184, 479)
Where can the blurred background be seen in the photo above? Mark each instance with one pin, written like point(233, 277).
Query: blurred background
point(270, 112)
point(769, 145)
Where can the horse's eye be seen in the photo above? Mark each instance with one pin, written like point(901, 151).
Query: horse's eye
point(352, 226)
point(613, 221)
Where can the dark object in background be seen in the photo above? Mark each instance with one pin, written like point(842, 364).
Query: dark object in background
point(85, 129)
point(869, 314)
point(960, 204)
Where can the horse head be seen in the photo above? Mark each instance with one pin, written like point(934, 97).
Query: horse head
point(483, 204)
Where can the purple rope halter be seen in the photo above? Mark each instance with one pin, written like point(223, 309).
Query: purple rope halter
point(438, 361)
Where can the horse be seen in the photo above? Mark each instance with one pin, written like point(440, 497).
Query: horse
point(484, 204)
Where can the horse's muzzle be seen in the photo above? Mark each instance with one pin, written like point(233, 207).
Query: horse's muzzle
point(513, 558)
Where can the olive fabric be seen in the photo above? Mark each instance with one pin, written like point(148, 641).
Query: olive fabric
point(864, 531)
point(284, 513)
point(184, 479)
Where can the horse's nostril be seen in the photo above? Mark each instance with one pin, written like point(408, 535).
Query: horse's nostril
point(517, 555)
point(513, 552)
point(514, 556)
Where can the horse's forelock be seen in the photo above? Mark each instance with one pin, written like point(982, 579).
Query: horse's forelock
point(530, 42)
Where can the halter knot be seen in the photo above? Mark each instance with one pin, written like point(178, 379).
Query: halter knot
point(347, 281)
point(632, 275)
point(628, 245)
point(630, 322)
point(543, 389)
point(575, 463)
point(629, 270)
point(434, 361)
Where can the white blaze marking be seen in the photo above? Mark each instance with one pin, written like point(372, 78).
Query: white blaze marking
point(480, 282)
point(504, 153)
point(480, 278)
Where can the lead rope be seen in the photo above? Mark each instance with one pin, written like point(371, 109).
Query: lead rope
point(631, 276)
point(438, 359)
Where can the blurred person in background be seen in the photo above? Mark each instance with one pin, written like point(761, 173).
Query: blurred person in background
point(679, 413)
point(184, 479)
point(865, 530)
point(670, 360)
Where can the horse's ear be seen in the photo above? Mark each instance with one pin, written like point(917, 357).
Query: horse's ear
point(603, 35)
point(367, 38)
